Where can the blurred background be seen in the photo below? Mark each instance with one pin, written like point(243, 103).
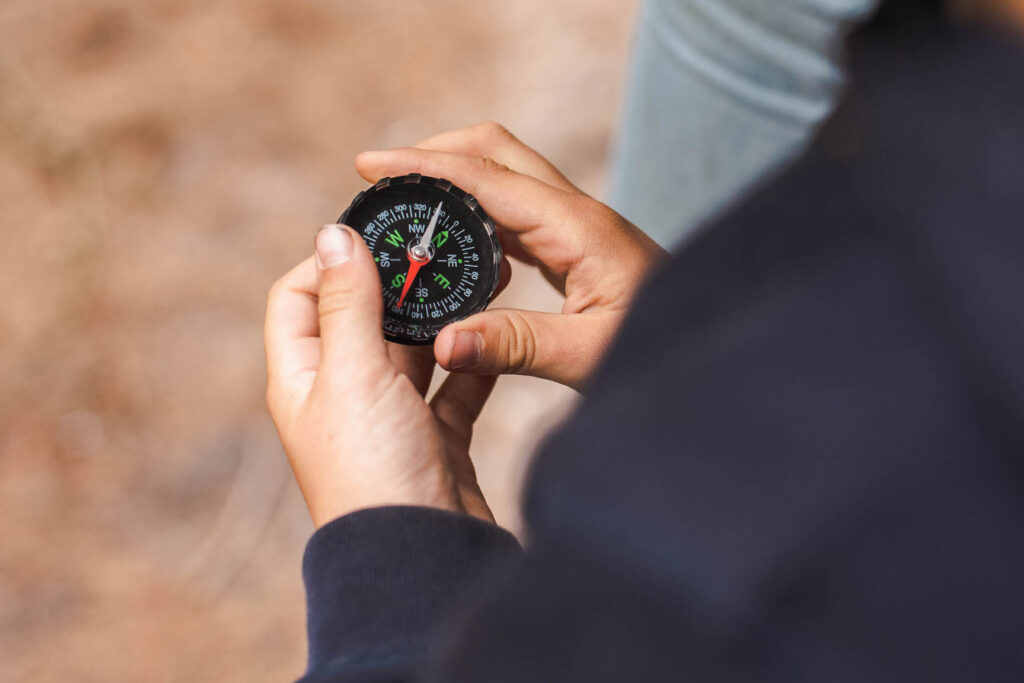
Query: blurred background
point(161, 164)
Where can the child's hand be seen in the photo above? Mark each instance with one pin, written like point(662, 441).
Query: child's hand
point(594, 256)
point(349, 407)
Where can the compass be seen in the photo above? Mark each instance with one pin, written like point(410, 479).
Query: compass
point(436, 250)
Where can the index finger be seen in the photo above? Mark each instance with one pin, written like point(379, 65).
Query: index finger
point(490, 139)
point(539, 215)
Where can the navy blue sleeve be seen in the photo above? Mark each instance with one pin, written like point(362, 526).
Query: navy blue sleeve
point(381, 582)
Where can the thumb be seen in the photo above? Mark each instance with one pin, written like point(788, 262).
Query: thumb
point(349, 302)
point(564, 348)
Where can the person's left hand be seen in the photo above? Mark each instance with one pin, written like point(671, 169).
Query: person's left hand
point(350, 407)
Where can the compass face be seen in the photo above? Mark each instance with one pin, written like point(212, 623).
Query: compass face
point(436, 251)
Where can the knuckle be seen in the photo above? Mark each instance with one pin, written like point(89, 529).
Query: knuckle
point(454, 408)
point(493, 130)
point(593, 209)
point(608, 218)
point(600, 220)
point(521, 343)
point(489, 165)
point(337, 300)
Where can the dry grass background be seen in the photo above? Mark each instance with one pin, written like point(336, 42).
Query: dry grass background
point(161, 163)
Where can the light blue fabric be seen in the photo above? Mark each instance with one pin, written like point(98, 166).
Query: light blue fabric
point(721, 92)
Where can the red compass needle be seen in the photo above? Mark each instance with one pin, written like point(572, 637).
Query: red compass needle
point(420, 254)
point(414, 268)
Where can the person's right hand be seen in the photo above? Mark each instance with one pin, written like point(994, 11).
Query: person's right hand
point(592, 255)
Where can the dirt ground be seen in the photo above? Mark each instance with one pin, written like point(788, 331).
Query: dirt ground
point(161, 163)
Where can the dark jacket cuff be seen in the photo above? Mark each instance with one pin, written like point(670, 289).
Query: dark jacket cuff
point(379, 581)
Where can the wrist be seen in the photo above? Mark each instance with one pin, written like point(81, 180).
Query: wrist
point(327, 503)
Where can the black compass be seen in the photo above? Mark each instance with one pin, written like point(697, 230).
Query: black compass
point(436, 251)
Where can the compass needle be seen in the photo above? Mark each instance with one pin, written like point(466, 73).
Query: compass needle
point(429, 234)
point(414, 267)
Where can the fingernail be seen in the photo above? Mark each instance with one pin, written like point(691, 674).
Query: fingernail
point(466, 349)
point(333, 246)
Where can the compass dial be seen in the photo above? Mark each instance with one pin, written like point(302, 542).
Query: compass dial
point(436, 251)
